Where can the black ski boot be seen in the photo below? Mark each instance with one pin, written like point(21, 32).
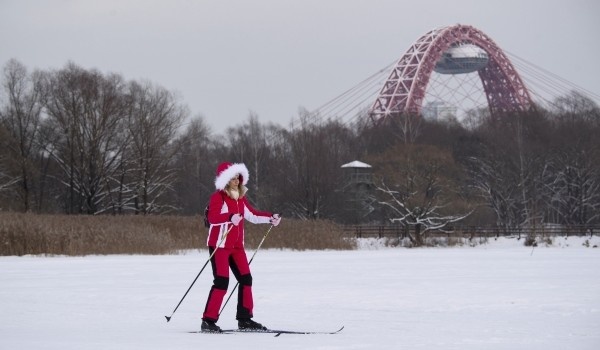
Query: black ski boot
point(210, 327)
point(249, 325)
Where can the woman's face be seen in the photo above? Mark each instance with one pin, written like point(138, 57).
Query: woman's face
point(234, 182)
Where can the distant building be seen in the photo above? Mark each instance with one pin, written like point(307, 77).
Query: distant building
point(438, 110)
point(356, 188)
point(357, 173)
point(462, 59)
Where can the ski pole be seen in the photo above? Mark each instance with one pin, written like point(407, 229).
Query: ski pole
point(250, 262)
point(203, 267)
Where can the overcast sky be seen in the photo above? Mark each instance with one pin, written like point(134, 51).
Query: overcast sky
point(227, 58)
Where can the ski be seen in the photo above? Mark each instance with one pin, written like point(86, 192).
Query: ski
point(210, 332)
point(278, 332)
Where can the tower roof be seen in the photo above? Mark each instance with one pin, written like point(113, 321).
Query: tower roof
point(356, 164)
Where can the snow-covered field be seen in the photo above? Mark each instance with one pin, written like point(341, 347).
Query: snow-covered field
point(495, 296)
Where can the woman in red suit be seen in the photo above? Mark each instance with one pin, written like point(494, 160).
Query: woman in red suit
point(227, 209)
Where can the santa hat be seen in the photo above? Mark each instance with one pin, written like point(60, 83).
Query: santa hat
point(226, 171)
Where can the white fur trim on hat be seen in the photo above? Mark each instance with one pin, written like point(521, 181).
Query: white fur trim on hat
point(224, 176)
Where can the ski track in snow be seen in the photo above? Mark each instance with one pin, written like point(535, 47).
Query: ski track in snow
point(494, 296)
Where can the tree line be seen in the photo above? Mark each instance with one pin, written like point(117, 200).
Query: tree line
point(78, 141)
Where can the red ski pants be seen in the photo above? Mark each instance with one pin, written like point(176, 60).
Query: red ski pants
point(221, 262)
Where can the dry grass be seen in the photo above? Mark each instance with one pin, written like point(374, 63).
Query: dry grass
point(300, 235)
point(22, 234)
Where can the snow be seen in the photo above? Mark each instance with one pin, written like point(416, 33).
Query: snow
point(500, 295)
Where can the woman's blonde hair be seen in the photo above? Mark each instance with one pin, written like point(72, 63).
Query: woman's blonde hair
point(241, 190)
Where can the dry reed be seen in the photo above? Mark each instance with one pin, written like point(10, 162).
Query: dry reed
point(23, 234)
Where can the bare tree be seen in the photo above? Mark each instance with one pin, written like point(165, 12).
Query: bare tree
point(399, 127)
point(21, 118)
point(154, 119)
point(576, 189)
point(574, 172)
point(252, 143)
point(195, 164)
point(309, 171)
point(88, 110)
point(492, 181)
point(7, 180)
point(418, 185)
point(408, 126)
point(575, 108)
point(506, 166)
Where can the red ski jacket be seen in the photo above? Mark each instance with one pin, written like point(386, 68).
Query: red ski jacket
point(220, 209)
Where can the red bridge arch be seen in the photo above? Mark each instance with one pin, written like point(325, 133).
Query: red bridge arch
point(404, 90)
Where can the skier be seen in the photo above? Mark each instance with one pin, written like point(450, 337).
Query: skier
point(227, 209)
